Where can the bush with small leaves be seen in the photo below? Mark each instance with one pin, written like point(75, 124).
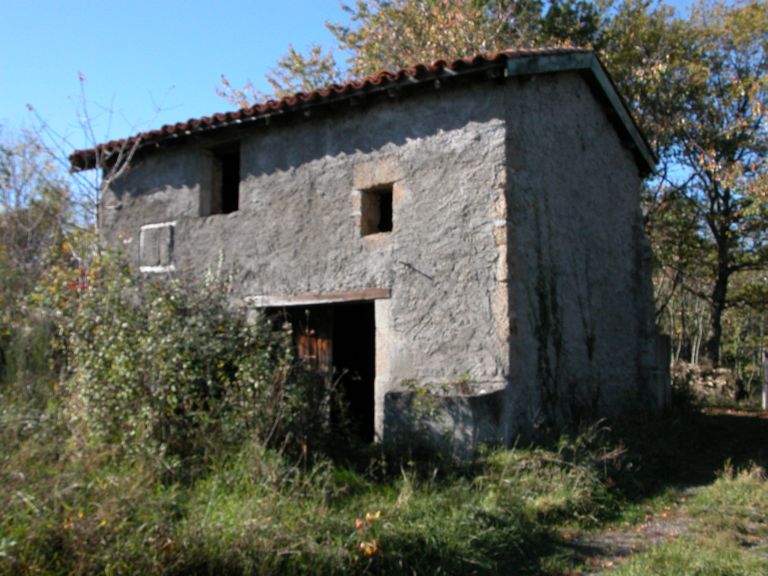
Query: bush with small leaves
point(175, 370)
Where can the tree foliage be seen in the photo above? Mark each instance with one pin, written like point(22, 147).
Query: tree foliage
point(294, 72)
point(699, 87)
point(386, 34)
point(34, 208)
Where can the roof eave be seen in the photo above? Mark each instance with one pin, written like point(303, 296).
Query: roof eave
point(86, 159)
point(509, 64)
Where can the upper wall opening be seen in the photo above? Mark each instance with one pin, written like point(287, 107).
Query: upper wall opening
point(222, 195)
point(376, 210)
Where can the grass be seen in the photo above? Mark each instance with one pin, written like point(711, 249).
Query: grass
point(255, 514)
point(692, 557)
point(729, 535)
point(69, 508)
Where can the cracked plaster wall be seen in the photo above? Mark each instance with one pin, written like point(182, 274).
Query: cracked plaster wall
point(580, 294)
point(297, 229)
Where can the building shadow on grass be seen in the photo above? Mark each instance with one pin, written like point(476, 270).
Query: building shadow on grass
point(693, 447)
point(684, 449)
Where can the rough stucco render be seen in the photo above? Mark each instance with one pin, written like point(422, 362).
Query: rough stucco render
point(580, 289)
point(515, 264)
point(298, 226)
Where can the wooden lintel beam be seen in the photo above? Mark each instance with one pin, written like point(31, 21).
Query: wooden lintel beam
point(310, 298)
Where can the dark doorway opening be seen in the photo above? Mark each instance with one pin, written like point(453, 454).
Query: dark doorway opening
point(354, 358)
point(340, 339)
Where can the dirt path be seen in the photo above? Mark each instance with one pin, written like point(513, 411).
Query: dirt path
point(716, 438)
point(609, 548)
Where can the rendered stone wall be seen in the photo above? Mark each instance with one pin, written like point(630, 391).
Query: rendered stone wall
point(580, 295)
point(298, 227)
point(518, 273)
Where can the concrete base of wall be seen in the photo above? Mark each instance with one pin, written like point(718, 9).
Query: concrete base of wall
point(454, 425)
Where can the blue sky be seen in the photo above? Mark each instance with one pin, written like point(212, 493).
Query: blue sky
point(152, 62)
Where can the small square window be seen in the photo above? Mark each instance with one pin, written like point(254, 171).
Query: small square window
point(376, 210)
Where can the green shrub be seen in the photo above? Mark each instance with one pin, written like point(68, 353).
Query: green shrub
point(175, 371)
point(25, 373)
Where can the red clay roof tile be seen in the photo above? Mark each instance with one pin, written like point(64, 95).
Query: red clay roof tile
point(85, 159)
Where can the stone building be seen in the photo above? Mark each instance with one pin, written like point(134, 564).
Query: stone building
point(471, 228)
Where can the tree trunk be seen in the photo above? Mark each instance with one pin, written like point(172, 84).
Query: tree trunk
point(719, 293)
point(765, 379)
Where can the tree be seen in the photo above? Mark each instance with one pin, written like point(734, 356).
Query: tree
point(34, 202)
point(391, 34)
point(48, 222)
point(573, 21)
point(700, 90)
point(34, 207)
point(92, 172)
point(294, 72)
point(723, 142)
